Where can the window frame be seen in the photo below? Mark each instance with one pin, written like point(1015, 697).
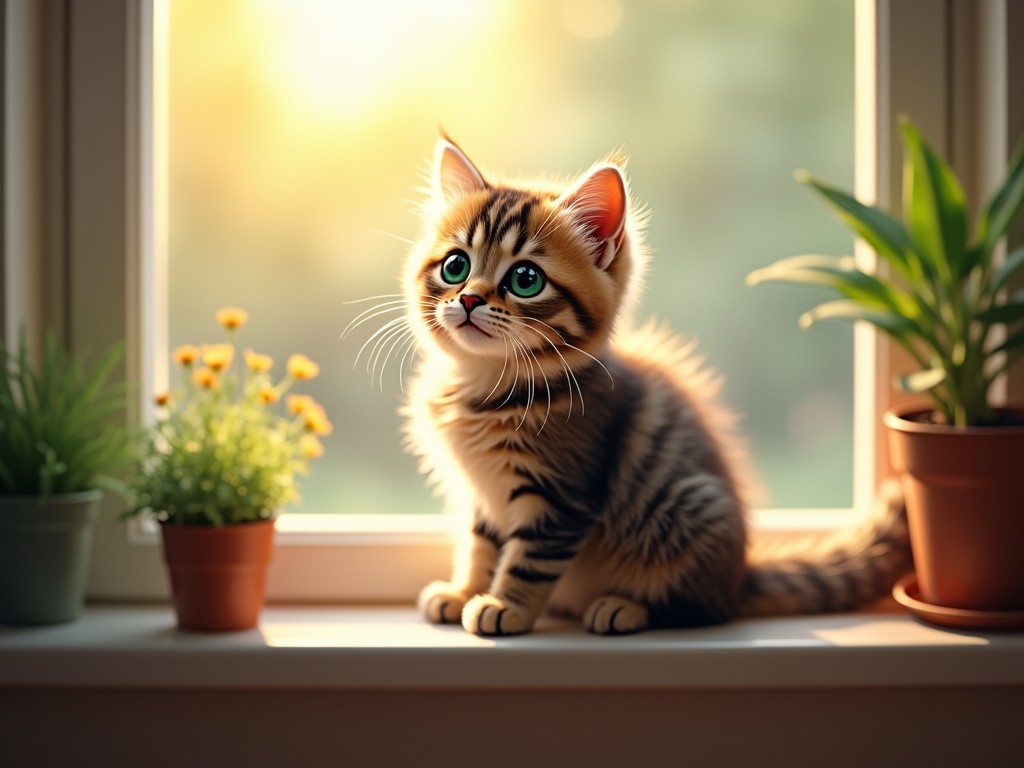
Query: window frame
point(84, 248)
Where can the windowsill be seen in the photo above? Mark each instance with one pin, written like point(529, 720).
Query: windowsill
point(389, 648)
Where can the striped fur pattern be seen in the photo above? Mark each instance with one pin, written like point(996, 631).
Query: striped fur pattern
point(595, 474)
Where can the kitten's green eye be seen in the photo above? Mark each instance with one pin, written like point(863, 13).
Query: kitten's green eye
point(525, 281)
point(455, 268)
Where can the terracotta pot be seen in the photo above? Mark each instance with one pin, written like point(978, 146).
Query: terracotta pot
point(218, 574)
point(45, 547)
point(965, 505)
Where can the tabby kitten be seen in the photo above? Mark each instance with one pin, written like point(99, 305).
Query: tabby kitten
point(596, 474)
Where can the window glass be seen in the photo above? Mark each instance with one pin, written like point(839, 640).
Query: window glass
point(300, 133)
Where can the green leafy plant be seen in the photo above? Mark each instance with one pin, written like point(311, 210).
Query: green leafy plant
point(221, 451)
point(944, 296)
point(57, 434)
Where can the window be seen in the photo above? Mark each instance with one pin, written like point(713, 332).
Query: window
point(298, 131)
point(91, 225)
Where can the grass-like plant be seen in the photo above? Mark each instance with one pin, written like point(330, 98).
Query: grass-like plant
point(942, 297)
point(58, 432)
point(222, 451)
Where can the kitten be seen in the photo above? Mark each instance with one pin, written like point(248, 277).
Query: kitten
point(596, 474)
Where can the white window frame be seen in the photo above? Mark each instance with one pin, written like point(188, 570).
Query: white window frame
point(84, 225)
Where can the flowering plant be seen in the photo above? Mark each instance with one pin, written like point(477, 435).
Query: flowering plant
point(222, 451)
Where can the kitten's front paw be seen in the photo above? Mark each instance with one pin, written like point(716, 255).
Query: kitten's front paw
point(614, 615)
point(441, 603)
point(488, 616)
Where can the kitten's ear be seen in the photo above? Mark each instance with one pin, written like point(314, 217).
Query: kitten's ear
point(598, 204)
point(454, 174)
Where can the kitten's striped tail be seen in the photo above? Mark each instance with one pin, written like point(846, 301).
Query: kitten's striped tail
point(846, 571)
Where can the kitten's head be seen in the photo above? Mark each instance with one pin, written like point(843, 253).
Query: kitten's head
point(510, 271)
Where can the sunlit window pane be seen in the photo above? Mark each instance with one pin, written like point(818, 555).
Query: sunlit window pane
point(300, 132)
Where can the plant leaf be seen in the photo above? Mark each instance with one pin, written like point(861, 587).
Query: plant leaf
point(1016, 341)
point(805, 261)
point(840, 274)
point(1008, 312)
point(886, 236)
point(934, 205)
point(800, 269)
point(1004, 204)
point(847, 309)
point(921, 381)
point(1006, 271)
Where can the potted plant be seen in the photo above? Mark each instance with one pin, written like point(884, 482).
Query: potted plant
point(57, 439)
point(221, 461)
point(954, 308)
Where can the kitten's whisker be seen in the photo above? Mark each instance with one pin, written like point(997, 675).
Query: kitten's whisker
point(384, 348)
point(410, 345)
point(532, 382)
point(603, 366)
point(570, 379)
point(399, 238)
point(547, 389)
point(374, 311)
point(529, 382)
point(387, 326)
point(400, 338)
point(504, 365)
point(572, 347)
point(517, 356)
point(374, 298)
point(374, 340)
point(570, 376)
point(378, 349)
point(554, 330)
point(575, 348)
point(390, 324)
point(515, 378)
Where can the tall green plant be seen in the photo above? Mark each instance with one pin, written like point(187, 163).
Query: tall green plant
point(56, 429)
point(943, 295)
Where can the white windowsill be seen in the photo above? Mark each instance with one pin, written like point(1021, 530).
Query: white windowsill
point(388, 648)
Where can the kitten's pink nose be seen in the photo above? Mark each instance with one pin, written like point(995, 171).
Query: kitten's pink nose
point(471, 301)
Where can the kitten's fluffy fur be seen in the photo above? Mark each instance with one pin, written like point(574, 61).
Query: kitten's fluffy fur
point(593, 470)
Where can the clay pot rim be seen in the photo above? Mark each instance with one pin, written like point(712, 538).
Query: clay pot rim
point(212, 526)
point(898, 419)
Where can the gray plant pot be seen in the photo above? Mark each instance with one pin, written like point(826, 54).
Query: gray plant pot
point(45, 544)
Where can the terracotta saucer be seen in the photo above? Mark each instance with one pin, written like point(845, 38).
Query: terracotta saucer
point(907, 594)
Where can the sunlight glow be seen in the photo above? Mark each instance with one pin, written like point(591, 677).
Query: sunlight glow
point(336, 59)
point(367, 629)
point(892, 632)
point(591, 19)
point(299, 133)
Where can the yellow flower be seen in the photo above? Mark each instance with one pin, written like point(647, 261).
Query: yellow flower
point(297, 404)
point(258, 363)
point(269, 395)
point(315, 419)
point(205, 378)
point(186, 355)
point(218, 356)
point(232, 317)
point(310, 447)
point(162, 399)
point(301, 367)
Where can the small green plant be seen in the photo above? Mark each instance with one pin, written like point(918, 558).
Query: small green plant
point(944, 296)
point(57, 427)
point(221, 452)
